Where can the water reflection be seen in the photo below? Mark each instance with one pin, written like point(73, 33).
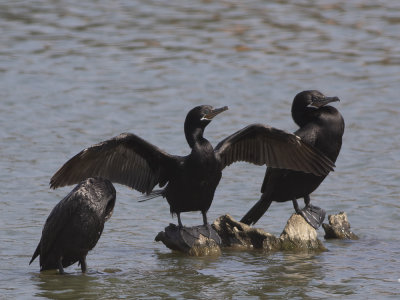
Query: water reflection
point(248, 274)
point(287, 275)
point(70, 286)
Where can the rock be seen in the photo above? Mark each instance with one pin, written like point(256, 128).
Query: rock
point(241, 236)
point(197, 240)
point(226, 232)
point(338, 228)
point(298, 235)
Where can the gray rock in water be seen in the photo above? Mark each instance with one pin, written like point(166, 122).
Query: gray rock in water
point(338, 228)
point(241, 236)
point(226, 232)
point(197, 240)
point(298, 235)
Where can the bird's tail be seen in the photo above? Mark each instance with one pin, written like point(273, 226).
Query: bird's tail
point(36, 254)
point(257, 211)
point(152, 195)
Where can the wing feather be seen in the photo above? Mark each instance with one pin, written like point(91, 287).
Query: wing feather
point(126, 159)
point(260, 144)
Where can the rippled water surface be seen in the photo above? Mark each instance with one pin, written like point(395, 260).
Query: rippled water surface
point(73, 73)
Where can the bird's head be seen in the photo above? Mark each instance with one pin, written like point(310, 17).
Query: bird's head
point(308, 104)
point(197, 119)
point(201, 116)
point(105, 195)
point(311, 98)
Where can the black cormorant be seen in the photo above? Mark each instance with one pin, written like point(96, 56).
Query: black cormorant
point(321, 126)
point(75, 225)
point(190, 180)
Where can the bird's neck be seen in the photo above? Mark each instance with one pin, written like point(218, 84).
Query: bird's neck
point(195, 136)
point(304, 115)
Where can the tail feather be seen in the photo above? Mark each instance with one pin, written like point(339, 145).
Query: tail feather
point(36, 254)
point(257, 211)
point(152, 195)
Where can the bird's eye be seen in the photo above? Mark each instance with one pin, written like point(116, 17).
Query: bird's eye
point(316, 97)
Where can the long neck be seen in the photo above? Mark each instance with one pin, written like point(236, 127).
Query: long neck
point(193, 135)
point(302, 115)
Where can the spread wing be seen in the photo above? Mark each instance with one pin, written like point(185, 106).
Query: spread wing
point(126, 159)
point(260, 144)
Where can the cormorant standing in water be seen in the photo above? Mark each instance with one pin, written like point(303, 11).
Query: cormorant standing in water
point(75, 225)
point(321, 126)
point(190, 180)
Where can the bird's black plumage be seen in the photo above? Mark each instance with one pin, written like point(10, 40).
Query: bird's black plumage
point(190, 181)
point(75, 225)
point(321, 126)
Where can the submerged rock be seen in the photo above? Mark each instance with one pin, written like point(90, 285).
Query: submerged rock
point(226, 232)
point(298, 235)
point(338, 228)
point(241, 236)
point(197, 240)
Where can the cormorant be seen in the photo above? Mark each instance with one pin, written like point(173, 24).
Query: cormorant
point(75, 225)
point(190, 180)
point(321, 126)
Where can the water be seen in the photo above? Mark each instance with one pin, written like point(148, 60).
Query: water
point(73, 73)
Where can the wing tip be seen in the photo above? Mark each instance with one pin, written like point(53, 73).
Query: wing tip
point(32, 259)
point(36, 254)
point(53, 184)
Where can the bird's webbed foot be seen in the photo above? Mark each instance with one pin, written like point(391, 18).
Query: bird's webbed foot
point(210, 233)
point(191, 234)
point(314, 215)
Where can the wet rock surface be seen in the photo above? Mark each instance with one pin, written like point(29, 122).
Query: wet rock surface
point(298, 235)
point(226, 232)
point(197, 240)
point(241, 236)
point(339, 228)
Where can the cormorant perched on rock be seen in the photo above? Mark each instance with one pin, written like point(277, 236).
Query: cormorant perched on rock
point(190, 180)
point(75, 225)
point(321, 126)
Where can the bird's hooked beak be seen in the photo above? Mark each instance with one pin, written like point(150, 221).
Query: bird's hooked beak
point(322, 101)
point(209, 116)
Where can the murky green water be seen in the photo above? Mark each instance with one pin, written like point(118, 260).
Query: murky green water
point(73, 73)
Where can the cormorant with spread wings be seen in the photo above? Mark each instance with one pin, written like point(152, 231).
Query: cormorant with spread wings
point(189, 181)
